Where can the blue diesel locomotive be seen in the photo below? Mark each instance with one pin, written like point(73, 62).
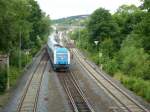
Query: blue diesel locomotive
point(59, 55)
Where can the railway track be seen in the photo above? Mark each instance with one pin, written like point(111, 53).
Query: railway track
point(124, 101)
point(76, 97)
point(29, 99)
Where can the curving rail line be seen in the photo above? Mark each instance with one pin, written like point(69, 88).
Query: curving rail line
point(29, 99)
point(124, 101)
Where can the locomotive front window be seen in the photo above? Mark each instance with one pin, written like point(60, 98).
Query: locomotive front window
point(57, 46)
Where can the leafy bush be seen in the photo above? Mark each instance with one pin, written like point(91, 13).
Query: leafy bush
point(138, 85)
point(14, 74)
point(133, 60)
point(94, 57)
point(14, 58)
point(111, 66)
point(34, 51)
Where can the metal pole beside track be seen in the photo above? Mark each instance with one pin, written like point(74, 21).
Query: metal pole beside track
point(20, 50)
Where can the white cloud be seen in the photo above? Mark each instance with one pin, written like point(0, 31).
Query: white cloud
point(64, 8)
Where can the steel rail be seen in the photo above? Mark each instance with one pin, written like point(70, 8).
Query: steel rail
point(88, 109)
point(74, 81)
point(28, 84)
point(38, 91)
point(70, 96)
point(74, 93)
point(81, 57)
point(129, 97)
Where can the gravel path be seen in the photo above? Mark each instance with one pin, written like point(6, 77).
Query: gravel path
point(57, 97)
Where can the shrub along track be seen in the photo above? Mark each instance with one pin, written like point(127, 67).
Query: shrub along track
point(76, 97)
point(29, 99)
point(124, 101)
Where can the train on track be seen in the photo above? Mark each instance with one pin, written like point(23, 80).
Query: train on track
point(59, 55)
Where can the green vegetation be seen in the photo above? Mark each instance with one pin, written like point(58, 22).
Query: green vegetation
point(124, 44)
point(73, 20)
point(3, 79)
point(24, 28)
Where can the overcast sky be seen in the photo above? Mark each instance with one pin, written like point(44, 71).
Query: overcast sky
point(64, 8)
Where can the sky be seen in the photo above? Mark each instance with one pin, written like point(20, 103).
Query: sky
point(65, 8)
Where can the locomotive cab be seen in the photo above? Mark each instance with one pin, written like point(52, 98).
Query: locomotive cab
point(61, 58)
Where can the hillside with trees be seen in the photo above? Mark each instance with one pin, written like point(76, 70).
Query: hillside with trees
point(23, 28)
point(123, 50)
point(72, 20)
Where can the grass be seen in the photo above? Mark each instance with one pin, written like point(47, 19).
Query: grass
point(137, 85)
point(14, 75)
point(4, 99)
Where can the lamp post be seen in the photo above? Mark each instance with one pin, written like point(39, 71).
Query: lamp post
point(79, 33)
point(99, 53)
point(8, 82)
point(27, 53)
point(96, 43)
point(20, 50)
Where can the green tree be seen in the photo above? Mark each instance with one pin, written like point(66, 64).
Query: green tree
point(21, 22)
point(35, 18)
point(101, 25)
point(143, 30)
point(107, 47)
point(12, 23)
point(127, 17)
point(124, 43)
point(146, 5)
point(133, 60)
